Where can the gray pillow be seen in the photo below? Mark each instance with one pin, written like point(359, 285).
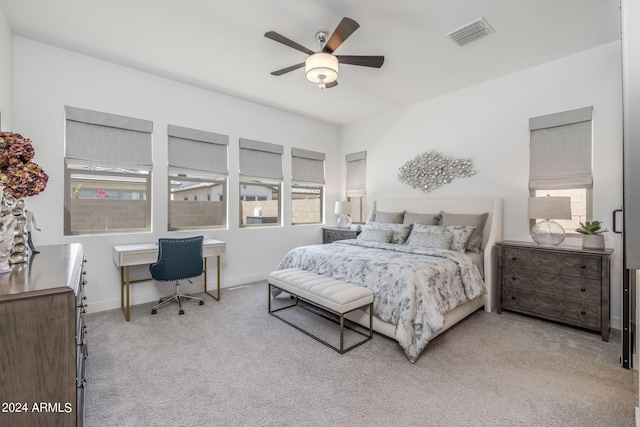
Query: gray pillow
point(374, 235)
point(400, 231)
point(430, 240)
point(389, 217)
point(461, 234)
point(474, 220)
point(418, 218)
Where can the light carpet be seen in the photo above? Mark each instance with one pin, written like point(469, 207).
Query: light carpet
point(230, 363)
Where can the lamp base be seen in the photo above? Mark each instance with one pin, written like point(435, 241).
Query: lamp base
point(344, 221)
point(548, 233)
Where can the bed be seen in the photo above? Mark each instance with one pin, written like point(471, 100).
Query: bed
point(428, 262)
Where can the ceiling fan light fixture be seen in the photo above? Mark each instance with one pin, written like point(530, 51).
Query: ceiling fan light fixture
point(321, 68)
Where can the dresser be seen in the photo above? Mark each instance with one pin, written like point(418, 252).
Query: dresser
point(331, 234)
point(43, 349)
point(566, 284)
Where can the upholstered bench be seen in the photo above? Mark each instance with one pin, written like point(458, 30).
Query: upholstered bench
point(331, 295)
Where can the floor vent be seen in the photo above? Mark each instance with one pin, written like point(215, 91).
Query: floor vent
point(471, 32)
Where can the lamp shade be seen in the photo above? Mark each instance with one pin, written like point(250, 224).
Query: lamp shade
point(343, 208)
point(549, 207)
point(321, 68)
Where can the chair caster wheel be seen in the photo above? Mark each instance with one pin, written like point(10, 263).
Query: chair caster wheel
point(181, 312)
point(153, 311)
point(201, 303)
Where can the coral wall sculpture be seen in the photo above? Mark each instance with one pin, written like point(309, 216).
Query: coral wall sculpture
point(431, 170)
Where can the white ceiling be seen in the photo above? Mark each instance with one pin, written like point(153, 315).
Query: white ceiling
point(220, 45)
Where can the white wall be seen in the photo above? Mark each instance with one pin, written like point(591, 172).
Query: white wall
point(489, 124)
point(6, 112)
point(47, 78)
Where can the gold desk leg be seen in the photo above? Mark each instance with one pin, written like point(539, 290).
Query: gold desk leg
point(124, 296)
point(217, 298)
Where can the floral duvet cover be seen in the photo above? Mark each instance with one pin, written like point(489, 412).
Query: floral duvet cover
point(413, 287)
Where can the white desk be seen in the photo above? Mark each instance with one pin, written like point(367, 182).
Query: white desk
point(125, 256)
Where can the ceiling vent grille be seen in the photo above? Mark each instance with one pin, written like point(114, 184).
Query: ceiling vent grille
point(471, 32)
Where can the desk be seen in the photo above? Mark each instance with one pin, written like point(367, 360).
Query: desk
point(125, 256)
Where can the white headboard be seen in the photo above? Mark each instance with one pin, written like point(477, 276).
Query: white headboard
point(474, 205)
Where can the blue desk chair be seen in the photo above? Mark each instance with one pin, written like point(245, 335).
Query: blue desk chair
point(178, 259)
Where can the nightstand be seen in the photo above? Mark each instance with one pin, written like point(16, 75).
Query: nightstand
point(566, 284)
point(330, 234)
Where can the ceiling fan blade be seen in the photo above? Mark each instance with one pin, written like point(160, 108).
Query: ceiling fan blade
point(365, 61)
point(285, 41)
point(345, 28)
point(286, 70)
point(332, 84)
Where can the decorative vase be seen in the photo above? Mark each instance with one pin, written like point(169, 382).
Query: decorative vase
point(14, 216)
point(593, 241)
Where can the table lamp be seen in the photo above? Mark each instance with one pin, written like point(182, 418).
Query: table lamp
point(549, 232)
point(343, 209)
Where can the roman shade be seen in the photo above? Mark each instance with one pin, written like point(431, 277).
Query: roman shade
point(195, 152)
point(107, 140)
point(560, 150)
point(260, 160)
point(356, 174)
point(307, 166)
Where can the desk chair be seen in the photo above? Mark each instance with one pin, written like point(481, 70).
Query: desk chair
point(178, 259)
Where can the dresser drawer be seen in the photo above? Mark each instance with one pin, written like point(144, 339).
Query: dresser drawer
point(332, 234)
point(573, 311)
point(550, 283)
point(570, 264)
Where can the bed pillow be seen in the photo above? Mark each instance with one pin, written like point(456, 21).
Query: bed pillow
point(375, 235)
point(418, 218)
point(400, 231)
point(425, 239)
point(461, 234)
point(474, 220)
point(389, 217)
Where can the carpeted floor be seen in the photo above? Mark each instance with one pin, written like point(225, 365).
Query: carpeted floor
point(230, 363)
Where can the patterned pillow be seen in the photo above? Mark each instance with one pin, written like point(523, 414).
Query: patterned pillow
point(461, 234)
point(374, 235)
point(474, 220)
point(400, 231)
point(430, 240)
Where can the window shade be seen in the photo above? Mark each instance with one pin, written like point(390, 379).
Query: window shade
point(560, 150)
point(307, 166)
point(356, 174)
point(107, 140)
point(192, 151)
point(260, 159)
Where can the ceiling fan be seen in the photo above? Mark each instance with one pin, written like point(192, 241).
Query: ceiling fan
point(322, 67)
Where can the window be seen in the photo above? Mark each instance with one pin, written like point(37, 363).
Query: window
point(260, 183)
point(356, 187)
point(107, 173)
point(197, 179)
point(560, 161)
point(307, 170)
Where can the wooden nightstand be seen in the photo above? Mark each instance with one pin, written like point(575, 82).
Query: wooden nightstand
point(567, 284)
point(330, 234)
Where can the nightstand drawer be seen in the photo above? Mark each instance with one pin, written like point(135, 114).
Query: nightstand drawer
point(547, 261)
point(567, 310)
point(551, 283)
point(330, 235)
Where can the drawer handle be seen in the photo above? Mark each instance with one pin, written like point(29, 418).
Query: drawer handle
point(583, 266)
point(513, 258)
point(583, 312)
point(583, 289)
point(513, 278)
point(513, 297)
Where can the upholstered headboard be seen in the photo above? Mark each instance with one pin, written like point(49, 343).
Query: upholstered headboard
point(492, 231)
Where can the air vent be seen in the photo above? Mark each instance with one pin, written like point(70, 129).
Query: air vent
point(471, 32)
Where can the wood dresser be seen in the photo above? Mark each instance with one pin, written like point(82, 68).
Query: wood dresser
point(331, 234)
point(42, 339)
point(567, 284)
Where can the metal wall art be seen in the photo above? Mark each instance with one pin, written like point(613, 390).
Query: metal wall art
point(431, 170)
